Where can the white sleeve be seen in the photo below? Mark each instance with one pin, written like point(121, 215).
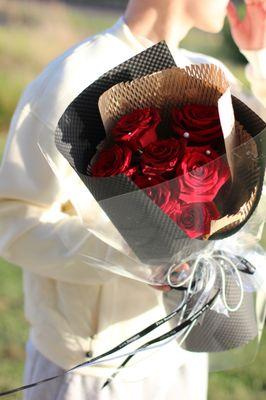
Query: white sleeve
point(255, 72)
point(35, 233)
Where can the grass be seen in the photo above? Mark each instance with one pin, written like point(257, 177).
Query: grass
point(246, 383)
point(29, 39)
point(13, 327)
point(2, 144)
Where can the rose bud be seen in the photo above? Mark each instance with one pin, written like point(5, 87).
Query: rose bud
point(137, 129)
point(199, 124)
point(195, 219)
point(162, 156)
point(112, 161)
point(202, 174)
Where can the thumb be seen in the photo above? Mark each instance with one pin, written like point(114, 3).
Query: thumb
point(163, 288)
point(232, 14)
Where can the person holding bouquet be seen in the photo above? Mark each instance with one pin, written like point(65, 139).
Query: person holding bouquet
point(76, 311)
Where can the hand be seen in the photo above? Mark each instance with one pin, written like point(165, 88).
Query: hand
point(167, 288)
point(249, 33)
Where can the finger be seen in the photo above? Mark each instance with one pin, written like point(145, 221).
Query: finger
point(254, 1)
point(232, 14)
point(256, 9)
point(259, 4)
point(185, 267)
point(163, 288)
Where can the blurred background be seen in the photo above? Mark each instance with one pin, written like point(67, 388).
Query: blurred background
point(32, 33)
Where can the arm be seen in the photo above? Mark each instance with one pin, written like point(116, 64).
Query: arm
point(35, 233)
point(256, 73)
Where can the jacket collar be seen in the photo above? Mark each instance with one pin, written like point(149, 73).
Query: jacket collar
point(121, 30)
point(139, 43)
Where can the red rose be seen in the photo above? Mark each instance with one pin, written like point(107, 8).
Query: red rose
point(202, 174)
point(199, 124)
point(172, 208)
point(112, 161)
point(131, 171)
point(162, 156)
point(195, 219)
point(159, 190)
point(137, 129)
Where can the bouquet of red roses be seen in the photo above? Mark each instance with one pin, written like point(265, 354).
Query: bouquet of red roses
point(171, 157)
point(172, 140)
point(187, 158)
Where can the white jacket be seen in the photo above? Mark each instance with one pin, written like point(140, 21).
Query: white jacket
point(73, 308)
